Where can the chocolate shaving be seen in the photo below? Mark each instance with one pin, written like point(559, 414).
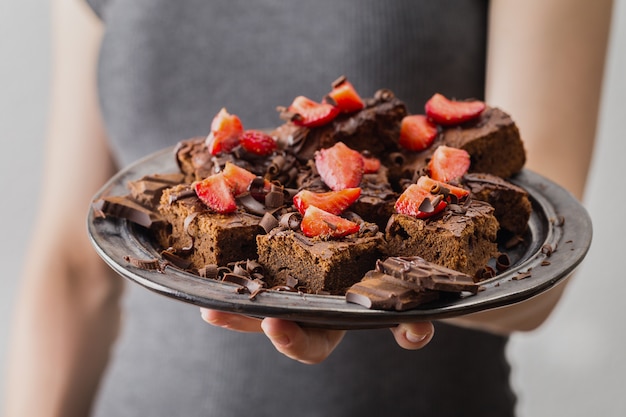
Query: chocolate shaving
point(184, 193)
point(397, 158)
point(251, 204)
point(175, 259)
point(521, 275)
point(548, 249)
point(340, 80)
point(513, 242)
point(274, 199)
point(268, 222)
point(147, 264)
point(486, 272)
point(209, 271)
point(503, 262)
point(291, 220)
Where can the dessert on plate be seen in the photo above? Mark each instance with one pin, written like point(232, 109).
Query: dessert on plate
point(340, 190)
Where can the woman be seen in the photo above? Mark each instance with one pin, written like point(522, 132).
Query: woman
point(137, 76)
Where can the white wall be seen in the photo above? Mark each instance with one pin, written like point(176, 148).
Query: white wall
point(24, 61)
point(575, 365)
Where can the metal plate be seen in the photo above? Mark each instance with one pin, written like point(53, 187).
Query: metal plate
point(558, 223)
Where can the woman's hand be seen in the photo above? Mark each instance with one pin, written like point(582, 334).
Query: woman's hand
point(310, 345)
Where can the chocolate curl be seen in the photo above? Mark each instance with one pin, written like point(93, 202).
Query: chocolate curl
point(253, 267)
point(503, 262)
point(291, 220)
point(268, 222)
point(276, 166)
point(275, 198)
point(251, 204)
point(147, 264)
point(170, 256)
point(210, 271)
point(397, 158)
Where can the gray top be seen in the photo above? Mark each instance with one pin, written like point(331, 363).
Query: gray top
point(166, 68)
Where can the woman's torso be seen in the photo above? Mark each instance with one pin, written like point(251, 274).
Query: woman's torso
point(166, 68)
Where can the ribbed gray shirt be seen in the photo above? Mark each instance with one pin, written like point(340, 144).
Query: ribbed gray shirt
point(166, 68)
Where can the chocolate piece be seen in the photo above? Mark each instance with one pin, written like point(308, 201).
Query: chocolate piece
point(417, 273)
point(380, 294)
point(126, 208)
point(147, 190)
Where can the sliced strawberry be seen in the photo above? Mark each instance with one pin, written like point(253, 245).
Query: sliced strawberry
point(310, 113)
point(345, 97)
point(226, 129)
point(339, 166)
point(438, 187)
point(451, 112)
point(371, 164)
point(412, 202)
point(215, 192)
point(237, 178)
point(417, 132)
point(257, 142)
point(317, 222)
point(334, 202)
point(448, 164)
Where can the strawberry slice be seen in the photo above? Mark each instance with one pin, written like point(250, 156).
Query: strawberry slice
point(226, 129)
point(257, 142)
point(451, 112)
point(417, 132)
point(345, 97)
point(417, 202)
point(438, 187)
point(448, 164)
point(334, 202)
point(317, 222)
point(237, 178)
point(371, 164)
point(310, 113)
point(214, 191)
point(339, 166)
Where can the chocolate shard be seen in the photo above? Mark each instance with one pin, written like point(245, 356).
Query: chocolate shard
point(127, 208)
point(381, 294)
point(148, 189)
point(417, 273)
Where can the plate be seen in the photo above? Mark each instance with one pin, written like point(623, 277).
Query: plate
point(557, 240)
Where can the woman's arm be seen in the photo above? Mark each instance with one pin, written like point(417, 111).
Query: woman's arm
point(67, 314)
point(545, 67)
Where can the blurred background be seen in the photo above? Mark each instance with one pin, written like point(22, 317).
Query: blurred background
point(574, 365)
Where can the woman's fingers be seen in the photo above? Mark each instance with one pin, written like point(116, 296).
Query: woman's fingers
point(310, 345)
point(413, 336)
point(231, 321)
point(306, 345)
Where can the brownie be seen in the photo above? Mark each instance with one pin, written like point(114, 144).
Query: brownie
point(463, 238)
point(375, 128)
point(204, 237)
point(493, 142)
point(318, 266)
point(511, 204)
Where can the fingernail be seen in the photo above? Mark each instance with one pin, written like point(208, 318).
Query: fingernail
point(415, 338)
